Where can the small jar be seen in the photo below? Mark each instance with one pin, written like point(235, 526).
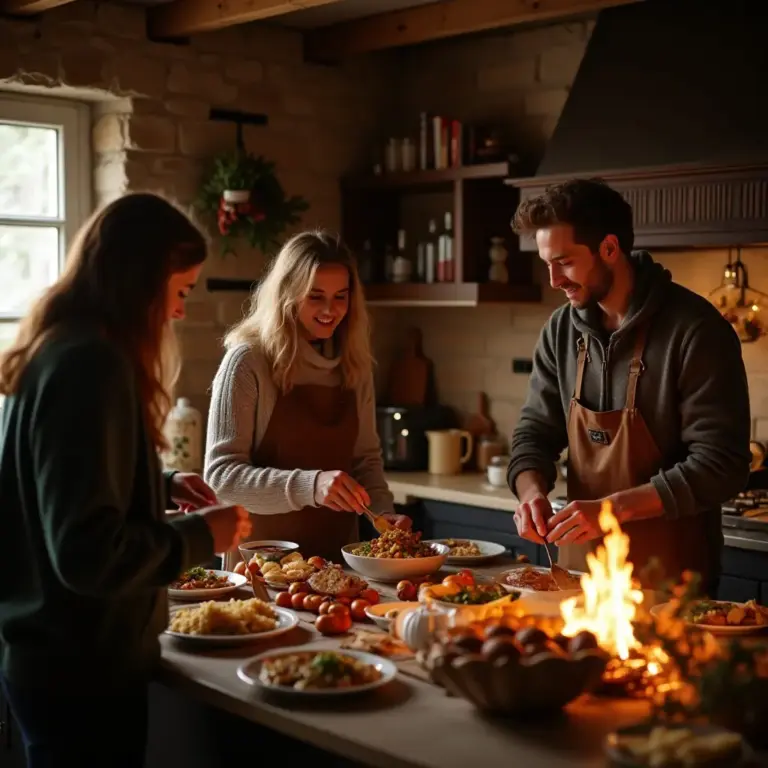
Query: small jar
point(488, 446)
point(392, 156)
point(497, 471)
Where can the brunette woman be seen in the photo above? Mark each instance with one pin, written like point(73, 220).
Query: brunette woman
point(292, 428)
point(85, 551)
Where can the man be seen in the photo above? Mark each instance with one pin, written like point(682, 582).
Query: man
point(642, 380)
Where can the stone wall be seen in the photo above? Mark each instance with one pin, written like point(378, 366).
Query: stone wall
point(150, 104)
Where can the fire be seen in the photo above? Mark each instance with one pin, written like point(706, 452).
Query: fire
point(610, 601)
point(610, 604)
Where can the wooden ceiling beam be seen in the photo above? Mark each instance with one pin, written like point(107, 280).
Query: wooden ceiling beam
point(435, 21)
point(27, 7)
point(183, 18)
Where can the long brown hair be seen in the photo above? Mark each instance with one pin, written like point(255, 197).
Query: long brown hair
point(272, 321)
point(115, 281)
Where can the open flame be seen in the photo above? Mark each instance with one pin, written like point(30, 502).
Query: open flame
point(610, 603)
point(610, 600)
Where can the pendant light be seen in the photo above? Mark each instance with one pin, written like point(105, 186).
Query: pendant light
point(743, 307)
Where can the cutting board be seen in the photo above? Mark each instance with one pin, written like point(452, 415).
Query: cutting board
point(410, 374)
point(480, 423)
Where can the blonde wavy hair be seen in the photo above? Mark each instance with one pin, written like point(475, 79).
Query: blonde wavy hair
point(115, 282)
point(272, 324)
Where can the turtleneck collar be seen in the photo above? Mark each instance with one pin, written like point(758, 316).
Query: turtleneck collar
point(319, 354)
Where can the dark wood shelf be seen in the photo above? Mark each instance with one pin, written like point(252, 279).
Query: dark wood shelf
point(430, 178)
point(449, 294)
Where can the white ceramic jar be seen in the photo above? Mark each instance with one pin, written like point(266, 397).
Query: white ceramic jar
point(184, 433)
point(497, 471)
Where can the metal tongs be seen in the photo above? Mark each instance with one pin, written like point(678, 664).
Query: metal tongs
point(378, 521)
point(560, 576)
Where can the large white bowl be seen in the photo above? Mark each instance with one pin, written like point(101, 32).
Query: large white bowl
point(390, 569)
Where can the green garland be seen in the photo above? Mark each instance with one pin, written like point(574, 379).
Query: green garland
point(264, 217)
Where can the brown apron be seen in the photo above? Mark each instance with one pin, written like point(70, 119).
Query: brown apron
point(613, 451)
point(311, 427)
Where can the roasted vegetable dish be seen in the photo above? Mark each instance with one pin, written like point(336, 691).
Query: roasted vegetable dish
point(397, 544)
point(317, 670)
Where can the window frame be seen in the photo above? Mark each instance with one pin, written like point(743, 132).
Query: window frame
point(73, 121)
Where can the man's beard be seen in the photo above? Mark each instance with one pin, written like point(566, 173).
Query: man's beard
point(598, 285)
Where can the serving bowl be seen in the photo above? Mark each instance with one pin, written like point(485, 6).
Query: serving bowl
point(389, 569)
point(518, 680)
point(270, 549)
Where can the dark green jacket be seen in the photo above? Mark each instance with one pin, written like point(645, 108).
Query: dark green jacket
point(85, 552)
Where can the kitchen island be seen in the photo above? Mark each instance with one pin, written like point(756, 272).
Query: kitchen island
point(410, 723)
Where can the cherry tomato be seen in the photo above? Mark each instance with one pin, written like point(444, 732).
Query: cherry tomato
point(467, 577)
point(253, 570)
point(312, 603)
point(337, 609)
point(333, 623)
point(284, 600)
point(343, 621)
point(371, 595)
point(297, 601)
point(406, 591)
point(343, 600)
point(453, 581)
point(299, 586)
point(324, 606)
point(358, 608)
point(326, 625)
point(317, 562)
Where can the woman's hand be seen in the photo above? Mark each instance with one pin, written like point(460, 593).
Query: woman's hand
point(337, 490)
point(190, 492)
point(403, 522)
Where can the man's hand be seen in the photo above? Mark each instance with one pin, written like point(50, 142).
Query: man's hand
point(531, 517)
point(190, 492)
point(576, 523)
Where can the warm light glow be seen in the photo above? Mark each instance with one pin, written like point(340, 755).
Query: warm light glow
point(609, 601)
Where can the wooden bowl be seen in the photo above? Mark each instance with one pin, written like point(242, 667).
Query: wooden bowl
point(530, 685)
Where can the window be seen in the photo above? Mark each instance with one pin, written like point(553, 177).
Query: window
point(45, 186)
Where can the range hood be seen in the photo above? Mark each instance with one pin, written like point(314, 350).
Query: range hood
point(669, 106)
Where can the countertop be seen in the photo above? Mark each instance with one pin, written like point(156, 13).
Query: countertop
point(410, 723)
point(471, 488)
point(474, 490)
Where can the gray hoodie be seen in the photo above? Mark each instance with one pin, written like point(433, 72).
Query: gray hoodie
point(693, 394)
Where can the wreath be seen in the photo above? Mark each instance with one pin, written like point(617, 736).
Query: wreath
point(247, 200)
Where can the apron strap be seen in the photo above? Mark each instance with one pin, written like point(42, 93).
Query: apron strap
point(636, 366)
point(581, 362)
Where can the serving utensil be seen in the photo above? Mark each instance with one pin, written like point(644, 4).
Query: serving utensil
point(378, 521)
point(259, 590)
point(560, 576)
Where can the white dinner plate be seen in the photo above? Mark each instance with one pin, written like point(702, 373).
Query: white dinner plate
point(236, 581)
point(488, 549)
point(286, 620)
point(248, 672)
point(716, 629)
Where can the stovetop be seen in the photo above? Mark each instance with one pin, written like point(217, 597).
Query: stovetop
point(748, 511)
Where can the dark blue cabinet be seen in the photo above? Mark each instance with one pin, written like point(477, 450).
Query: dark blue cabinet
point(441, 520)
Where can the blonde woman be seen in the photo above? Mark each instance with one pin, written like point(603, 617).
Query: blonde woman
point(292, 428)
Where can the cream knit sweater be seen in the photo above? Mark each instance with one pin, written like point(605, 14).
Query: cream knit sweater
point(243, 398)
